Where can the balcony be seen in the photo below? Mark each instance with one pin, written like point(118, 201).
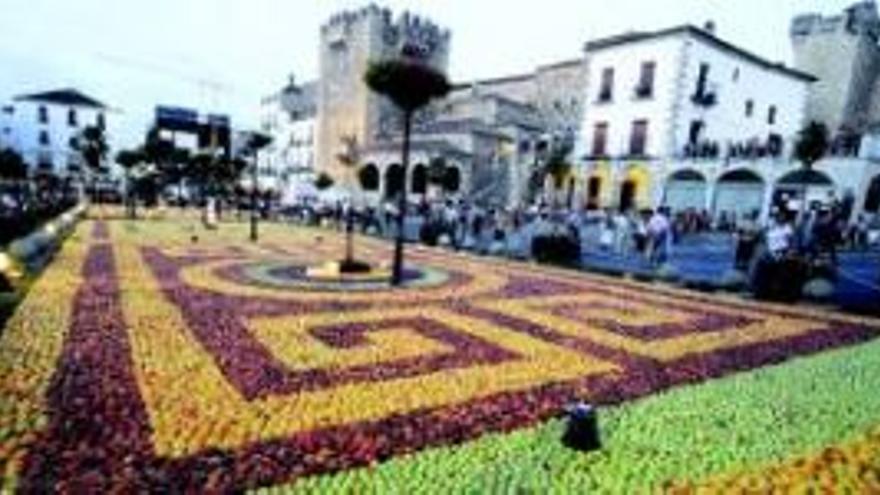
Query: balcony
point(704, 98)
point(702, 150)
point(756, 149)
point(644, 92)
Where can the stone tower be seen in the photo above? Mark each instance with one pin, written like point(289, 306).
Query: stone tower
point(346, 106)
point(842, 51)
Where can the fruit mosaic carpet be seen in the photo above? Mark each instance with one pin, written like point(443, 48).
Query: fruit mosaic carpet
point(145, 361)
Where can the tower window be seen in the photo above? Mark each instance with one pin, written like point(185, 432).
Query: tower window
point(606, 91)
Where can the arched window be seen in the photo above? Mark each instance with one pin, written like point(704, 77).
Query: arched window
point(368, 176)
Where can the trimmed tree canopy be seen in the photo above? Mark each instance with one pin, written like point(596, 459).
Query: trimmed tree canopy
point(257, 141)
point(12, 166)
point(324, 181)
point(93, 148)
point(811, 144)
point(128, 159)
point(410, 85)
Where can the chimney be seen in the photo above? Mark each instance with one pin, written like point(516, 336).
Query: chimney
point(709, 27)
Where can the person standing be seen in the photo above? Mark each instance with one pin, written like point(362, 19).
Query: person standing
point(658, 235)
point(747, 235)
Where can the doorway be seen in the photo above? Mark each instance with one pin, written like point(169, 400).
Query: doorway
point(627, 195)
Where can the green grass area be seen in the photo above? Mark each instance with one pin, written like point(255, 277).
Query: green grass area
point(740, 422)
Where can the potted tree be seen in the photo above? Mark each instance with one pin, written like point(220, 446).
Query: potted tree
point(410, 83)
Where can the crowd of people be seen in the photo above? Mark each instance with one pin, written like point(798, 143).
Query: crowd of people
point(651, 234)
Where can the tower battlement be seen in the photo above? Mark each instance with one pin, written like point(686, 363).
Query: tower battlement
point(350, 41)
point(405, 30)
point(859, 19)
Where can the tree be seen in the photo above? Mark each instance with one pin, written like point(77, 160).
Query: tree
point(166, 158)
point(92, 147)
point(228, 174)
point(12, 165)
point(410, 84)
point(559, 168)
point(128, 160)
point(811, 145)
point(323, 181)
point(200, 169)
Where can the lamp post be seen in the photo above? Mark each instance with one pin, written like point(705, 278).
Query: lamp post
point(256, 142)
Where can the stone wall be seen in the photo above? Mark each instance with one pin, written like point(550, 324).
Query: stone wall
point(842, 52)
point(349, 42)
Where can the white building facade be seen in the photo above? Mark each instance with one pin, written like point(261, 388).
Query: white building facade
point(289, 117)
point(683, 118)
point(43, 128)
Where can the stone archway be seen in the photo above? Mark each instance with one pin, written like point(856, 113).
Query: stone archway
point(685, 189)
point(739, 192)
point(815, 184)
point(594, 190)
point(872, 198)
point(628, 191)
point(419, 179)
point(599, 186)
point(452, 180)
point(394, 180)
point(368, 177)
point(635, 188)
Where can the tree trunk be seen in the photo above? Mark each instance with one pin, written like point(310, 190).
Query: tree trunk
point(132, 202)
point(397, 270)
point(254, 234)
point(570, 196)
point(349, 236)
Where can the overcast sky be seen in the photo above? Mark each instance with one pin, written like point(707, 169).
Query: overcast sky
point(135, 54)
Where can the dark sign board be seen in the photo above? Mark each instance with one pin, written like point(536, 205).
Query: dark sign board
point(211, 131)
point(177, 119)
point(215, 120)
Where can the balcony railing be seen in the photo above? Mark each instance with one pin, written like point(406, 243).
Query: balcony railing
point(605, 97)
point(704, 98)
point(644, 91)
point(771, 147)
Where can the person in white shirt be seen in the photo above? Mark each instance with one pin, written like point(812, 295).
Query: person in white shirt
point(779, 237)
point(658, 233)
